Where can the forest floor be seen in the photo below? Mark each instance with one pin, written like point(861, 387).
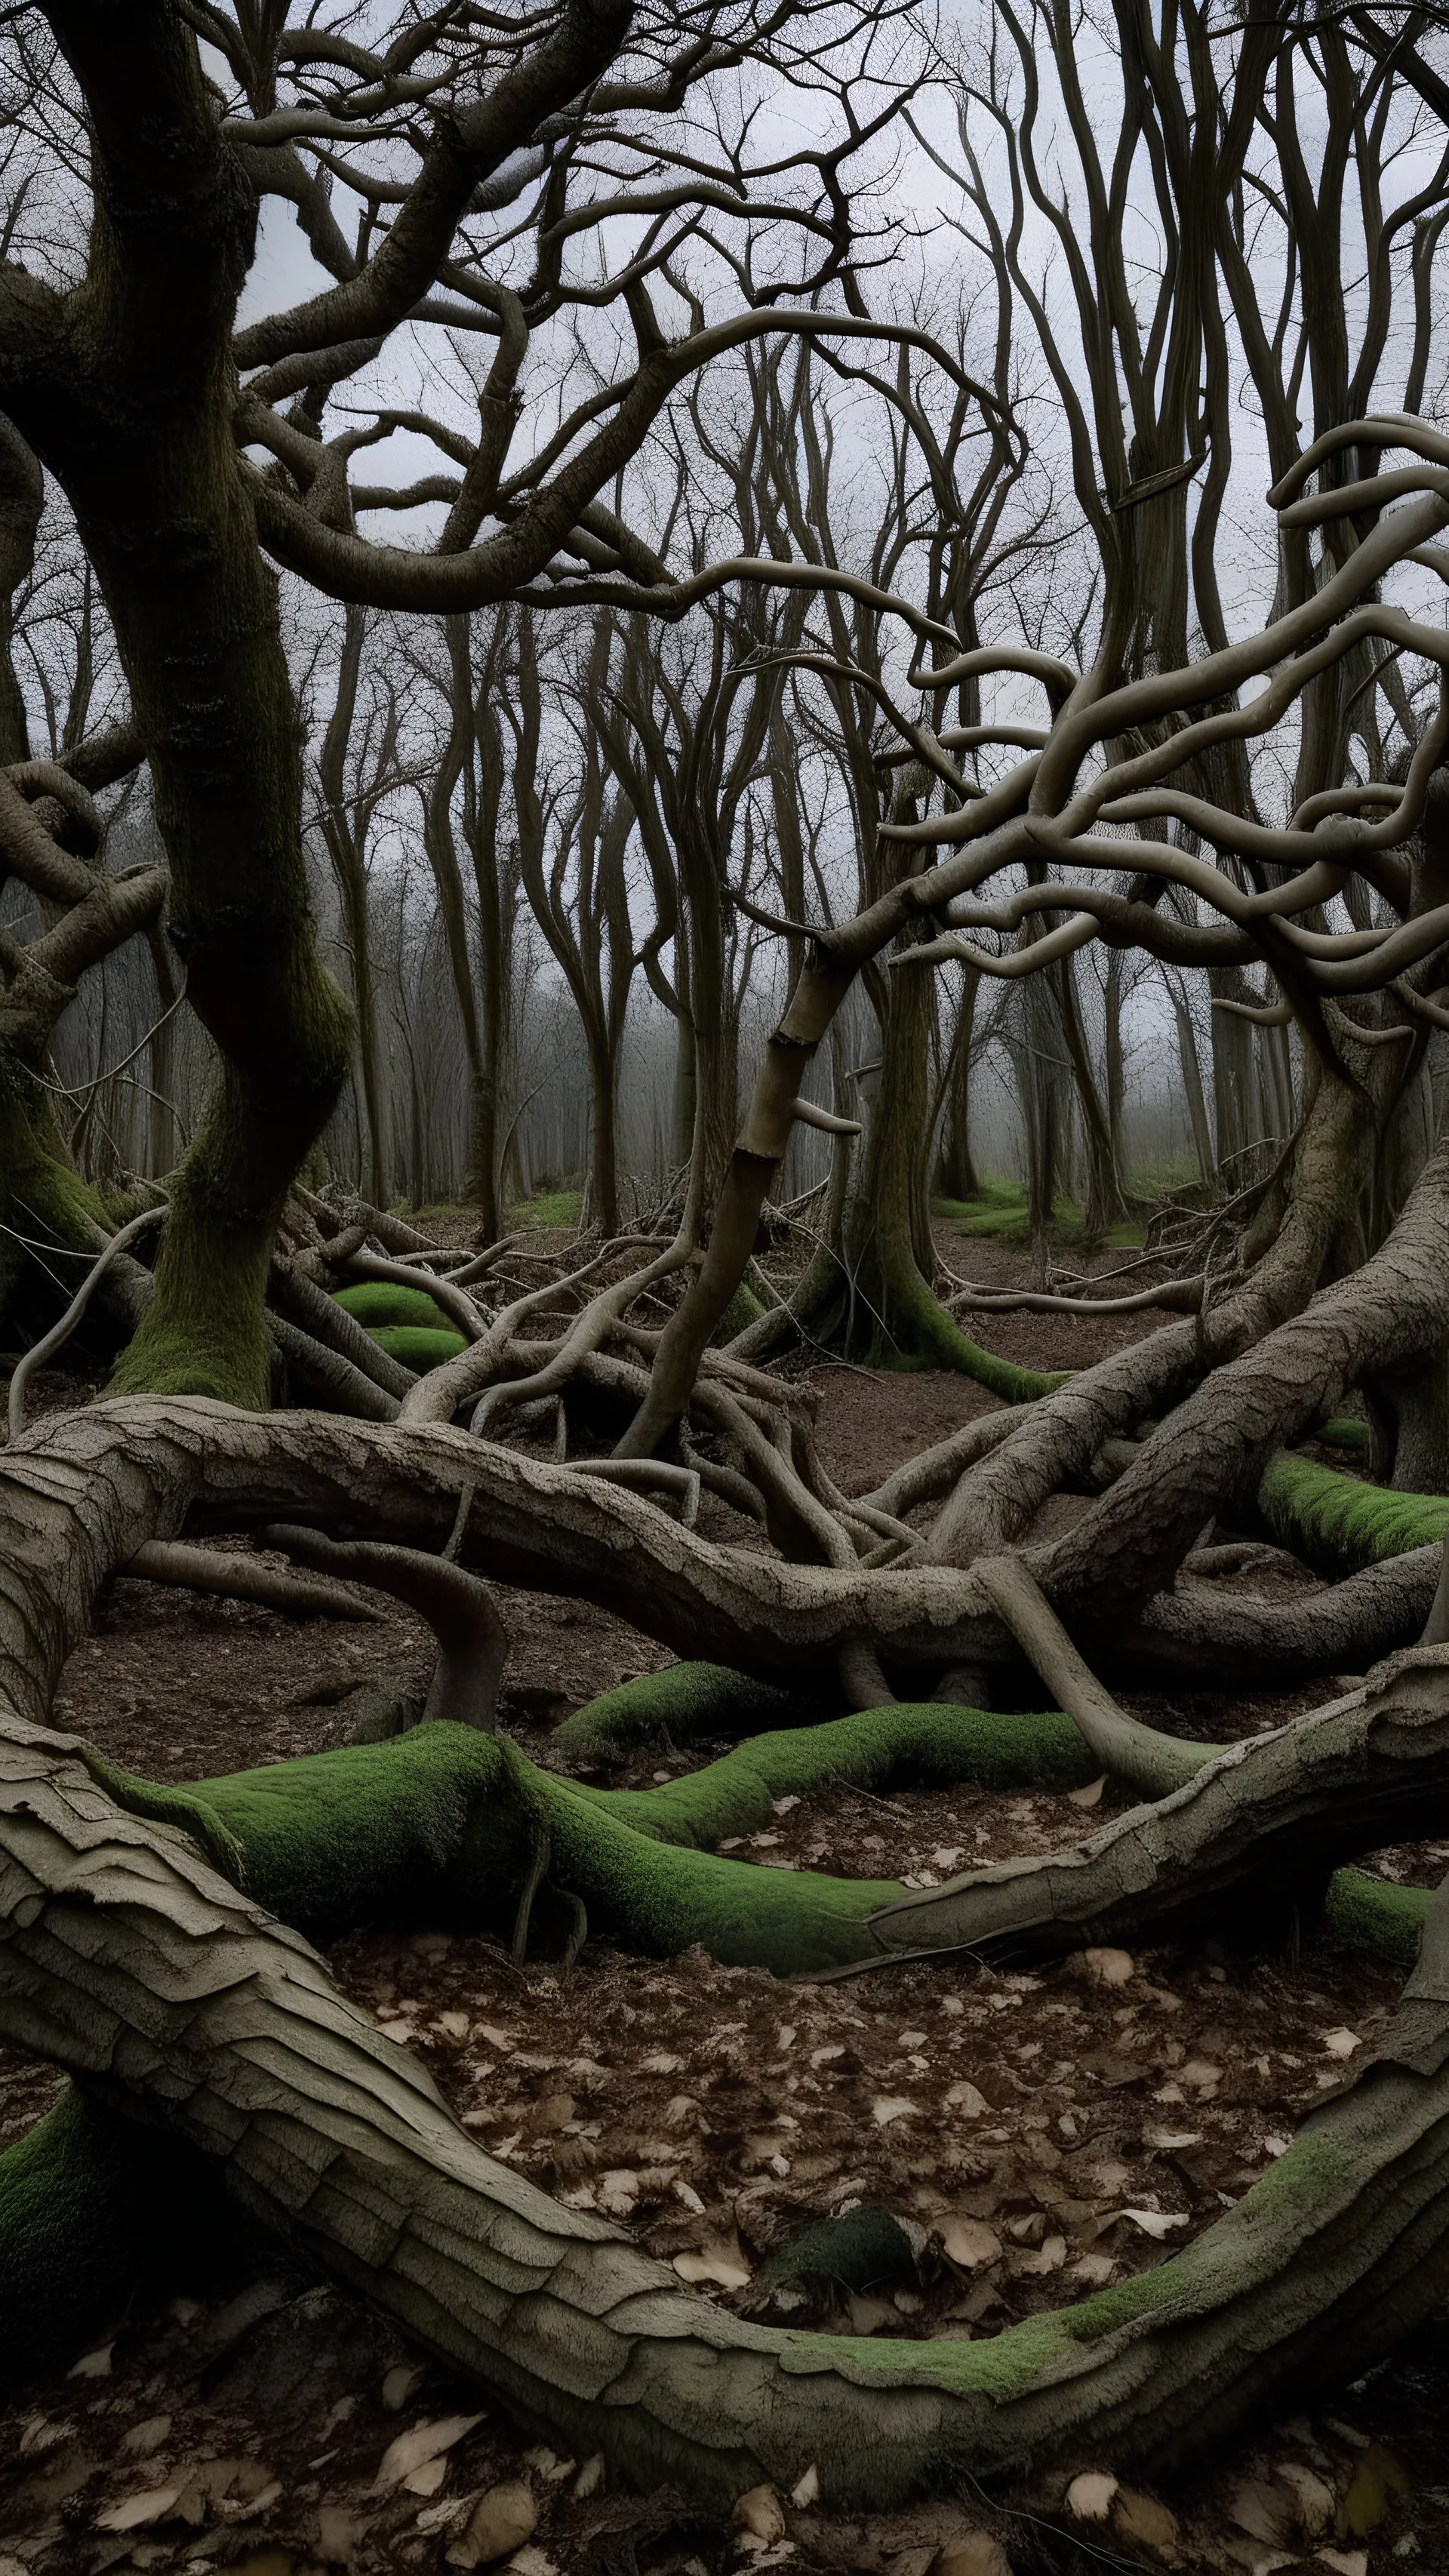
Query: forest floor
point(1036, 2134)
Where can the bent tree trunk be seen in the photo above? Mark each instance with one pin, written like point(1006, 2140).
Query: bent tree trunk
point(127, 1957)
point(142, 445)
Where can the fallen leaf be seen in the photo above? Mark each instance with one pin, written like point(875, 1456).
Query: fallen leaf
point(1091, 1796)
point(1261, 2508)
point(726, 2271)
point(969, 2242)
point(427, 2477)
point(1344, 2562)
point(399, 2384)
point(892, 2106)
point(1341, 2043)
point(590, 2477)
point(1089, 2497)
point(550, 2112)
point(1377, 2477)
point(661, 2063)
point(143, 2439)
point(93, 2365)
point(1157, 2222)
point(760, 2512)
point(1095, 2269)
point(869, 2311)
point(616, 2193)
point(1050, 2255)
point(134, 2512)
point(1311, 2493)
point(1145, 2523)
point(965, 2097)
point(1109, 1967)
point(423, 2442)
point(971, 2553)
point(806, 2493)
point(500, 2522)
point(1201, 2075)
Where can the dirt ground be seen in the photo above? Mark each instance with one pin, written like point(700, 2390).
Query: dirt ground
point(1033, 2136)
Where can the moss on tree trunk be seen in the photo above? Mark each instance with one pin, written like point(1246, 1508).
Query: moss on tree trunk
point(135, 420)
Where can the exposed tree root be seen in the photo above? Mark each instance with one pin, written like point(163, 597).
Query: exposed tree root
point(243, 1578)
point(1241, 1848)
point(458, 1607)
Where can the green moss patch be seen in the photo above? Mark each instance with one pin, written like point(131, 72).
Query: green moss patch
point(1000, 1212)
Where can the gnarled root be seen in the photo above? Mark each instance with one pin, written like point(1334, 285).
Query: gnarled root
point(1249, 1839)
point(130, 1961)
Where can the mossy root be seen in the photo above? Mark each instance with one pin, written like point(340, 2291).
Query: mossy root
point(1337, 1523)
point(677, 1706)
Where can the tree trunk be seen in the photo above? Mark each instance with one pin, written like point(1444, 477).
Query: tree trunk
point(957, 1175)
point(143, 446)
point(1187, 1057)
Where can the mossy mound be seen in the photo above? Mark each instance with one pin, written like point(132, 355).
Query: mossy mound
point(380, 1302)
point(1344, 1432)
point(419, 1349)
point(552, 1208)
point(1000, 1212)
point(1337, 1523)
point(864, 2250)
point(88, 2203)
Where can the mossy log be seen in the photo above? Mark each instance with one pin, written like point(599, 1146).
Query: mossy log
point(379, 1302)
